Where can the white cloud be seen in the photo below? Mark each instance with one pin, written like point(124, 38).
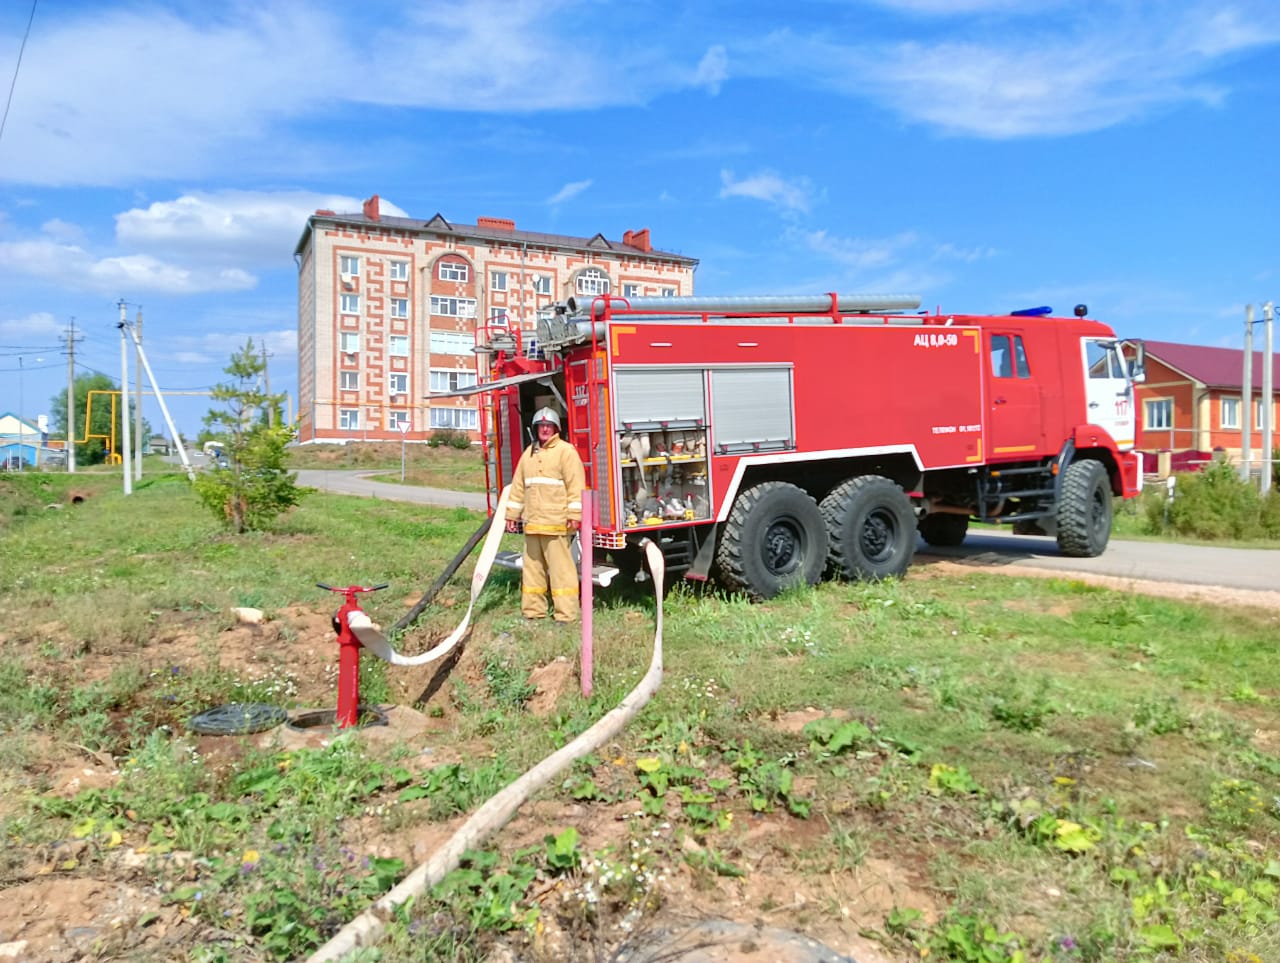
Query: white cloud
point(38, 328)
point(214, 348)
point(211, 241)
point(236, 227)
point(569, 191)
point(952, 8)
point(71, 266)
point(713, 69)
point(969, 255)
point(858, 254)
point(113, 96)
point(1088, 67)
point(770, 187)
point(60, 230)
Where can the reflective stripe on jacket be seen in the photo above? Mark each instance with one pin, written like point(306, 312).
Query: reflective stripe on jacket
point(546, 490)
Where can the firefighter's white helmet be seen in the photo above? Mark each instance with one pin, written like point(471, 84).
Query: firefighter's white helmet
point(547, 416)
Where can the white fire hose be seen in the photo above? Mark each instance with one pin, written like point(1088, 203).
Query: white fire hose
point(371, 636)
point(367, 928)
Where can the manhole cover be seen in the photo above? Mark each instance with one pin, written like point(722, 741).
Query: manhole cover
point(237, 719)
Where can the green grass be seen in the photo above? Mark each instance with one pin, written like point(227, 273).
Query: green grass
point(1001, 739)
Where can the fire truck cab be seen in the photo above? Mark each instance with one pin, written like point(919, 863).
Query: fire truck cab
point(770, 441)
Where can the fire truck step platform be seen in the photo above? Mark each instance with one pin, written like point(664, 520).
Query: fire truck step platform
point(601, 575)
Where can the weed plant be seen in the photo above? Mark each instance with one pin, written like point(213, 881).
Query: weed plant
point(1064, 772)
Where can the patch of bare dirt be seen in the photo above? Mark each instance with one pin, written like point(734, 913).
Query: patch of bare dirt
point(65, 919)
point(551, 682)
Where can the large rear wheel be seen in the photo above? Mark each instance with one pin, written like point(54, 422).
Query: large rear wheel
point(871, 527)
point(1084, 509)
point(774, 538)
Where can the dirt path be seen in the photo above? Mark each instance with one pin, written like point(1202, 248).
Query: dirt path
point(1208, 594)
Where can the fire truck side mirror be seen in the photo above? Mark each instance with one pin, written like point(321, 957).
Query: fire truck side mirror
point(1138, 366)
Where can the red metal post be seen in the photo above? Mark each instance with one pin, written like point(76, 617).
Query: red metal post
point(348, 664)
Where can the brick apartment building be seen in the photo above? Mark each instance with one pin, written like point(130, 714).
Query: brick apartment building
point(388, 309)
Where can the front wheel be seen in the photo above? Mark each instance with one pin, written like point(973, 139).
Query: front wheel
point(1084, 510)
point(773, 539)
point(871, 527)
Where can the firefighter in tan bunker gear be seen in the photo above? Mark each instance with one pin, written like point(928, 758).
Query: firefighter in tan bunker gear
point(546, 492)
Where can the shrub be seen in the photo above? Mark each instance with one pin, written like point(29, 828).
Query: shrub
point(450, 437)
point(1215, 503)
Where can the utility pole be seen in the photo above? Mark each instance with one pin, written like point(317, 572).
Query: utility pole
point(266, 377)
point(71, 339)
point(137, 397)
point(1268, 396)
point(125, 452)
point(1246, 398)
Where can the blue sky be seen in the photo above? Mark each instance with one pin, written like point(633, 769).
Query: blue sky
point(984, 154)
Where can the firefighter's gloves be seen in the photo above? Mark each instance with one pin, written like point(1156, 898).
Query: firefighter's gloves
point(513, 526)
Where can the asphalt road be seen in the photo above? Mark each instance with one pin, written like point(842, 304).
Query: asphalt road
point(1240, 568)
point(366, 485)
point(1236, 568)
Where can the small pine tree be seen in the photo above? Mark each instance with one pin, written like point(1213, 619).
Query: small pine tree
point(254, 487)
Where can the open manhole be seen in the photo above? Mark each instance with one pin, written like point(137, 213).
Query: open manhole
point(328, 719)
point(237, 719)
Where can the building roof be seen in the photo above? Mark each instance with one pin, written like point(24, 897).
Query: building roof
point(502, 230)
point(1212, 367)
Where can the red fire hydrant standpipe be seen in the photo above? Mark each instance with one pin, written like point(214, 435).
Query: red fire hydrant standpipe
point(348, 652)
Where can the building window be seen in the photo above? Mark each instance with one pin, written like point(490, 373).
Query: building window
point(452, 342)
point(349, 418)
point(631, 290)
point(498, 318)
point(453, 307)
point(349, 265)
point(498, 281)
point(349, 380)
point(455, 271)
point(668, 292)
point(399, 270)
point(1230, 413)
point(399, 307)
point(398, 345)
point(349, 342)
point(1159, 414)
point(446, 379)
point(593, 281)
point(466, 419)
point(398, 383)
point(397, 418)
point(350, 304)
point(542, 284)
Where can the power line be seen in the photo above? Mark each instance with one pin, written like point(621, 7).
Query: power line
point(14, 83)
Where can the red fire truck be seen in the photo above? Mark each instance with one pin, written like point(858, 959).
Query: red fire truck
point(767, 441)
